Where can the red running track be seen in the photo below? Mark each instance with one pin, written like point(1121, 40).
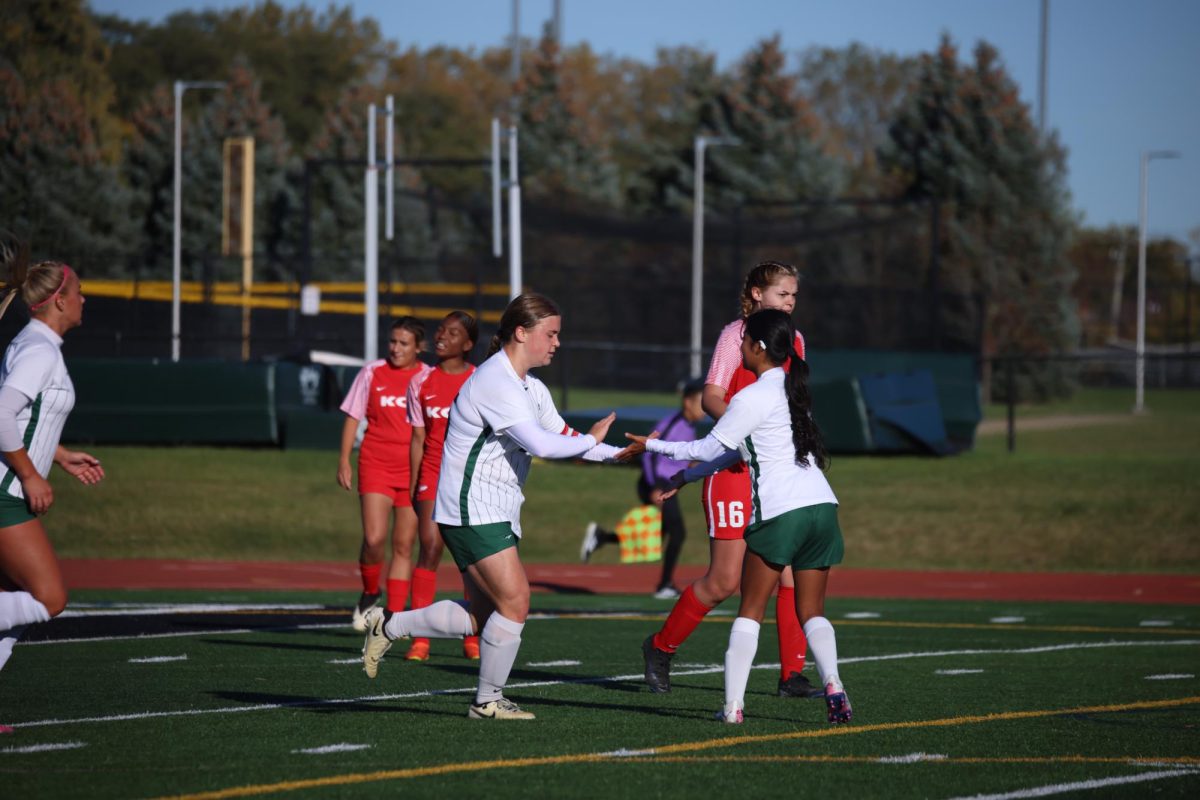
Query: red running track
point(638, 578)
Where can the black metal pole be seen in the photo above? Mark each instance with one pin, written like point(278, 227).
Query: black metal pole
point(1011, 398)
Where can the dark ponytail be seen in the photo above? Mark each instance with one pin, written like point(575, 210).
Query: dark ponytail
point(773, 330)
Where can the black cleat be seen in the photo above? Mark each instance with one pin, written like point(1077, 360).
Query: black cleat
point(658, 666)
point(796, 685)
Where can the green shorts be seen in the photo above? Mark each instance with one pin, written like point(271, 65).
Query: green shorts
point(805, 538)
point(13, 510)
point(471, 543)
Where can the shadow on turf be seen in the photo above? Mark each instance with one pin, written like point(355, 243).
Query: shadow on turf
point(343, 649)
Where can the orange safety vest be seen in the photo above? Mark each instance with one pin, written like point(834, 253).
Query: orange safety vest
point(640, 534)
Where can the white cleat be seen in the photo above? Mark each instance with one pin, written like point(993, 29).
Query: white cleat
point(590, 542)
point(498, 709)
point(376, 643)
point(731, 713)
point(365, 603)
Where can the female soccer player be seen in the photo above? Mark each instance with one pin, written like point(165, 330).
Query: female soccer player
point(378, 394)
point(793, 511)
point(429, 399)
point(501, 420)
point(36, 395)
point(726, 498)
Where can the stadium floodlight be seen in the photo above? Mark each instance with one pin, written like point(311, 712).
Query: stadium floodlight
point(177, 243)
point(1139, 404)
point(702, 143)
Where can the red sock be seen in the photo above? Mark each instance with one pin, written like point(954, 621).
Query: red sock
point(792, 643)
point(370, 577)
point(424, 587)
point(683, 619)
point(397, 594)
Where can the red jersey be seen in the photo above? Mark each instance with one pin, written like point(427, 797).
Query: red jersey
point(379, 394)
point(726, 368)
point(429, 399)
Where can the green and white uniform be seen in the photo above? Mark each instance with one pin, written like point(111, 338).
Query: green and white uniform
point(33, 365)
point(498, 423)
point(758, 424)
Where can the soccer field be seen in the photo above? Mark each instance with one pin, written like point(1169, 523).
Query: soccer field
point(188, 694)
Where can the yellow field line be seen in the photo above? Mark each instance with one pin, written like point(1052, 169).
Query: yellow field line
point(657, 752)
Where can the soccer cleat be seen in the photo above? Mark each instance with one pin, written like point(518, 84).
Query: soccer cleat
point(667, 592)
point(590, 542)
point(658, 666)
point(731, 713)
point(837, 704)
point(502, 708)
point(365, 603)
point(419, 651)
point(376, 643)
point(796, 685)
point(6, 729)
point(471, 647)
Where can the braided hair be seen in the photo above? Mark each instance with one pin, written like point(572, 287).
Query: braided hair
point(773, 329)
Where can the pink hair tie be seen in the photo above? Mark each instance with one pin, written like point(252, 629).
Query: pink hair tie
point(66, 274)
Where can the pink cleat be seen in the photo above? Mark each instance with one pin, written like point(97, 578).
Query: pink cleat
point(837, 703)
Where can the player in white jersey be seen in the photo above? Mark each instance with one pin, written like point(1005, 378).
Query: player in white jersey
point(794, 523)
point(35, 397)
point(501, 419)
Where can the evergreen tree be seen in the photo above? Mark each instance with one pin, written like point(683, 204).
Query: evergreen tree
point(965, 140)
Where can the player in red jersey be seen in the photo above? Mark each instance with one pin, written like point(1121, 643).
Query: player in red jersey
point(378, 395)
point(726, 497)
point(429, 400)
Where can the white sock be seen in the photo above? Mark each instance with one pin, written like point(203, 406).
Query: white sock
point(445, 619)
point(739, 658)
point(7, 640)
point(498, 646)
point(822, 643)
point(20, 608)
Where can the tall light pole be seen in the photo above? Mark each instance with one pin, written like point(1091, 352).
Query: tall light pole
point(1143, 204)
point(1044, 45)
point(702, 143)
point(177, 243)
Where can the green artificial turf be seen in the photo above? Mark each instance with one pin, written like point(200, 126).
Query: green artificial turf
point(1068, 687)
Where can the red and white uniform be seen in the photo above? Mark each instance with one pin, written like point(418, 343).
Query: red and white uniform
point(379, 394)
point(429, 399)
point(726, 495)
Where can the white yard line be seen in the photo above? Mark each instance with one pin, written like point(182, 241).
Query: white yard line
point(637, 676)
point(1079, 786)
point(157, 659)
point(43, 748)
point(1170, 676)
point(342, 747)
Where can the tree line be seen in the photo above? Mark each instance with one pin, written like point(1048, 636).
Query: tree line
point(87, 120)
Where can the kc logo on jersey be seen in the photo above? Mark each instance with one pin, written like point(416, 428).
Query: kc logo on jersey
point(390, 401)
point(433, 412)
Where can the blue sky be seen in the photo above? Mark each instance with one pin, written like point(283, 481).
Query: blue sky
point(1124, 75)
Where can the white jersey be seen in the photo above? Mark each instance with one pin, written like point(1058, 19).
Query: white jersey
point(34, 366)
point(483, 470)
point(759, 425)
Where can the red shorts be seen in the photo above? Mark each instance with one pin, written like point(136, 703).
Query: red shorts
point(399, 494)
point(386, 479)
point(427, 480)
point(727, 503)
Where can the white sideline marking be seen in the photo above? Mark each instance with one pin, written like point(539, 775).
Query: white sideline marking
point(1096, 783)
point(1006, 620)
point(635, 676)
point(209, 632)
point(626, 753)
point(342, 747)
point(44, 748)
point(912, 758)
point(956, 671)
point(1156, 623)
point(157, 659)
point(156, 609)
point(345, 660)
point(563, 663)
point(862, 615)
point(1170, 676)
